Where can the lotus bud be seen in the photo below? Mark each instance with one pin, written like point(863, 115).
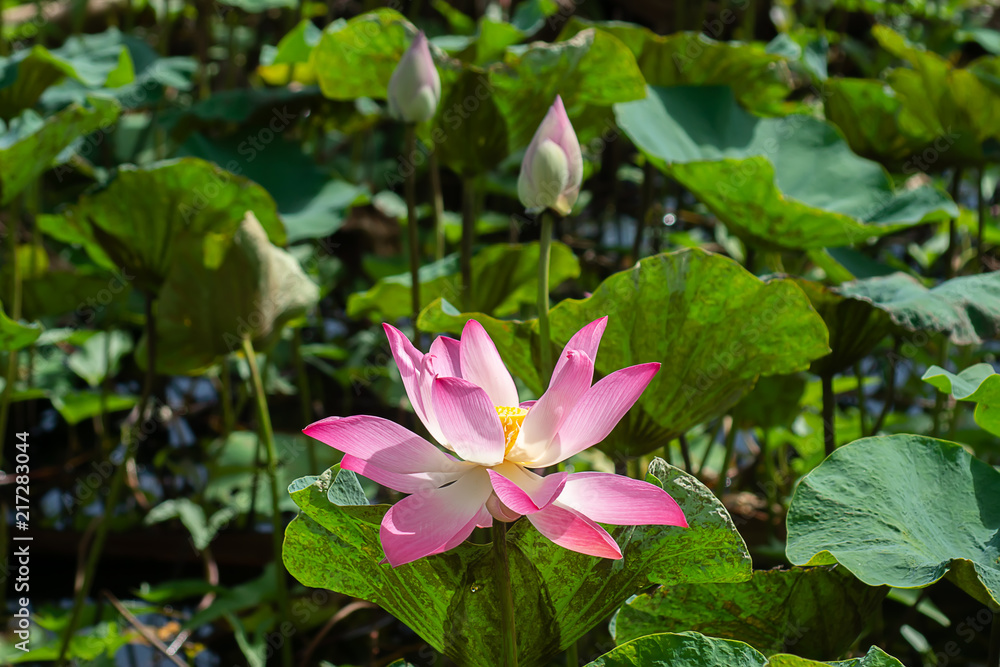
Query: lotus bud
point(552, 169)
point(415, 87)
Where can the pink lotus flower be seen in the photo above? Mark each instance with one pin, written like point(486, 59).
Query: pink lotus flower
point(464, 395)
point(552, 168)
point(415, 87)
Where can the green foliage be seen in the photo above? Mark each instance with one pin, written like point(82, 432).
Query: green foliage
point(688, 311)
point(504, 278)
point(450, 599)
point(205, 312)
point(886, 508)
point(978, 384)
point(787, 182)
point(30, 145)
point(692, 649)
point(14, 335)
point(777, 610)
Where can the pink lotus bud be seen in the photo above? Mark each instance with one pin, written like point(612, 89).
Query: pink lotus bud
point(552, 169)
point(415, 87)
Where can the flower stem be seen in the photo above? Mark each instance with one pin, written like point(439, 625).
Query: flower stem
point(305, 395)
point(277, 529)
point(501, 569)
point(409, 148)
point(468, 238)
point(438, 206)
point(829, 415)
point(727, 457)
point(545, 246)
point(981, 218)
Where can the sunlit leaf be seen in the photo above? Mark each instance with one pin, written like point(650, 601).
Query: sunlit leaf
point(449, 599)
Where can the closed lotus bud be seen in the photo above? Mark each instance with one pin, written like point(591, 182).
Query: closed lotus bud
point(415, 87)
point(552, 169)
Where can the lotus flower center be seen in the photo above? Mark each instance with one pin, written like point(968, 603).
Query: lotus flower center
point(511, 420)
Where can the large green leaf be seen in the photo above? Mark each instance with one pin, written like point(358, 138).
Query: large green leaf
point(690, 649)
point(787, 182)
point(14, 335)
point(966, 309)
point(30, 144)
point(759, 79)
point(577, 70)
point(773, 612)
point(356, 58)
point(903, 511)
point(449, 599)
point(979, 384)
point(713, 326)
point(144, 216)
point(504, 277)
point(204, 313)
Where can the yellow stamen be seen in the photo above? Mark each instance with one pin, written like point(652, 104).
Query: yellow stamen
point(511, 419)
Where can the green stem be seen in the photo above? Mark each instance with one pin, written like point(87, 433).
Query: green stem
point(226, 398)
point(468, 238)
point(438, 209)
point(829, 409)
point(645, 204)
point(305, 396)
point(117, 485)
point(720, 484)
point(890, 388)
point(939, 398)
point(409, 148)
point(862, 412)
point(956, 181)
point(545, 245)
point(572, 656)
point(277, 529)
point(771, 488)
point(981, 212)
point(501, 569)
point(685, 453)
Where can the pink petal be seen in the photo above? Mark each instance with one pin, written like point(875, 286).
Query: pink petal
point(561, 132)
point(600, 409)
point(404, 482)
point(447, 353)
point(469, 421)
point(482, 365)
point(410, 362)
point(587, 340)
point(620, 501)
point(570, 382)
point(384, 444)
point(433, 521)
point(518, 491)
point(573, 531)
